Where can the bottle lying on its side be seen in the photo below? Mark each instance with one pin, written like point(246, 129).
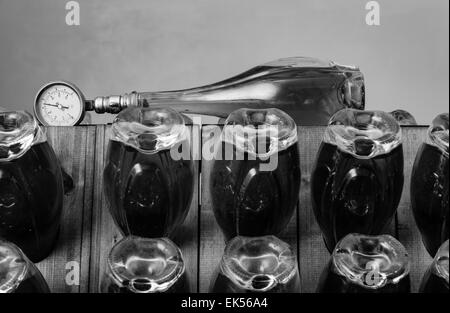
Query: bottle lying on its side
point(309, 90)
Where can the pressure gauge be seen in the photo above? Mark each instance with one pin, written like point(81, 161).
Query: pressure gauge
point(59, 104)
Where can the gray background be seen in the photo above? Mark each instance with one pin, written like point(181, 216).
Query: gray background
point(149, 45)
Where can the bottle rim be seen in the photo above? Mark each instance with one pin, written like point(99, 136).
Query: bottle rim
point(10, 254)
point(149, 130)
point(363, 134)
point(260, 132)
point(160, 252)
point(438, 133)
point(371, 262)
point(276, 260)
point(19, 131)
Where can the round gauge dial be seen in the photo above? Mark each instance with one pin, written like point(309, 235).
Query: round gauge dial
point(59, 104)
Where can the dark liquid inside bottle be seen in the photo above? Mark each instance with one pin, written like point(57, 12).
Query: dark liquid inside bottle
point(149, 193)
point(352, 195)
point(31, 195)
point(33, 284)
point(433, 283)
point(429, 196)
point(250, 202)
point(331, 282)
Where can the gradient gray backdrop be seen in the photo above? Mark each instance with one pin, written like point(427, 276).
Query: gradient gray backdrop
point(146, 45)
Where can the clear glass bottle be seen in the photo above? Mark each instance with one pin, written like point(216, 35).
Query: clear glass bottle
point(143, 265)
point(148, 185)
point(429, 186)
point(357, 180)
point(255, 265)
point(435, 279)
point(31, 186)
point(309, 90)
point(367, 264)
point(17, 273)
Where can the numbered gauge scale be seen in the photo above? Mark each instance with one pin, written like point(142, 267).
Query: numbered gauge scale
point(59, 104)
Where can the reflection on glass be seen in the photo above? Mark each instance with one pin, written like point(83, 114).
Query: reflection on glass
point(435, 279)
point(149, 175)
point(142, 265)
point(257, 264)
point(255, 180)
point(357, 181)
point(403, 117)
point(429, 186)
point(367, 264)
point(17, 273)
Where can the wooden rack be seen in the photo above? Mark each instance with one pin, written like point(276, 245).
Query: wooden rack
point(88, 232)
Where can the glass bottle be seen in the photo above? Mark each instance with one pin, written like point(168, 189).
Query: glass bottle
point(17, 273)
point(435, 279)
point(309, 90)
point(143, 265)
point(357, 181)
point(429, 186)
point(31, 186)
point(255, 265)
point(148, 183)
point(256, 175)
point(367, 264)
point(404, 117)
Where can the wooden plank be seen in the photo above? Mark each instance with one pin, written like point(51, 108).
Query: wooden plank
point(212, 241)
point(74, 149)
point(105, 233)
point(408, 232)
point(312, 251)
point(187, 235)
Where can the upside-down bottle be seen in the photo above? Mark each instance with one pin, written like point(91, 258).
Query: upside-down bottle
point(255, 265)
point(255, 180)
point(435, 279)
point(31, 186)
point(148, 187)
point(357, 181)
point(144, 265)
point(367, 264)
point(309, 90)
point(429, 186)
point(17, 273)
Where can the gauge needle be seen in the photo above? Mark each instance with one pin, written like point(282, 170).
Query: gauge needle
point(57, 105)
point(51, 105)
